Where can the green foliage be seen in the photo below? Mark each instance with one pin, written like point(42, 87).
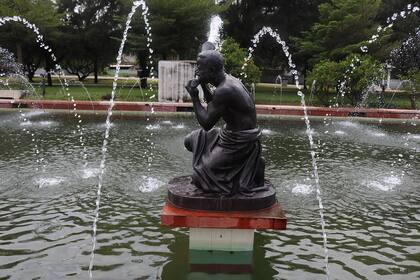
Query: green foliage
point(20, 40)
point(412, 79)
point(88, 28)
point(8, 64)
point(343, 27)
point(40, 12)
point(367, 72)
point(406, 58)
point(411, 84)
point(179, 27)
point(329, 74)
point(243, 19)
point(234, 60)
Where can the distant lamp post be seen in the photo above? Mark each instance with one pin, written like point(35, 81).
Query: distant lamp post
point(43, 76)
point(388, 68)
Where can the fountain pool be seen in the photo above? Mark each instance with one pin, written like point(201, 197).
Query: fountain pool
point(368, 172)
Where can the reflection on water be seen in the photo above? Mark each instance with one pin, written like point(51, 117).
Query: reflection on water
point(213, 265)
point(386, 183)
point(48, 182)
point(88, 172)
point(370, 192)
point(302, 189)
point(149, 184)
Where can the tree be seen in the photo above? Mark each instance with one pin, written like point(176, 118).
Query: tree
point(407, 56)
point(8, 64)
point(234, 57)
point(330, 74)
point(243, 19)
point(343, 27)
point(89, 26)
point(179, 27)
point(325, 76)
point(406, 60)
point(411, 84)
point(401, 28)
point(15, 36)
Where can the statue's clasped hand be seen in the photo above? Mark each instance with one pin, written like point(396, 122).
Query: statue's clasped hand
point(191, 87)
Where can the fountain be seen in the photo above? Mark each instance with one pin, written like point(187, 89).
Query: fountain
point(255, 41)
point(43, 45)
point(410, 8)
point(136, 4)
point(174, 74)
point(227, 196)
point(365, 205)
point(278, 81)
point(359, 195)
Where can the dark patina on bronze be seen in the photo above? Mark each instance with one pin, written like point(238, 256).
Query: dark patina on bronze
point(183, 194)
point(228, 166)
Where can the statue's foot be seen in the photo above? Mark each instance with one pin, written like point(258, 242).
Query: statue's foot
point(198, 191)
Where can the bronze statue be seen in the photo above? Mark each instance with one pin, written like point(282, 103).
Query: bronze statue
point(225, 160)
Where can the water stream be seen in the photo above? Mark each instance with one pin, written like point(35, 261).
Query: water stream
point(343, 84)
point(48, 49)
point(313, 149)
point(410, 8)
point(255, 41)
point(136, 4)
point(216, 26)
point(214, 37)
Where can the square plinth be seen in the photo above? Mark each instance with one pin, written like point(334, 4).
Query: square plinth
point(269, 218)
point(221, 239)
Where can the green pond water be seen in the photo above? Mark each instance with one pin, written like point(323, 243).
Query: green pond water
point(369, 176)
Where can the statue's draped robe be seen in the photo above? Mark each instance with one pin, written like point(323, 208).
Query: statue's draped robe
point(225, 161)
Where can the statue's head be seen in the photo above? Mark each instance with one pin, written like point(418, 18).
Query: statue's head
point(210, 64)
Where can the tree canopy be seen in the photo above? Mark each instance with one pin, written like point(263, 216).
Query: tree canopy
point(243, 19)
point(88, 26)
point(406, 57)
point(22, 41)
point(85, 34)
point(235, 57)
point(179, 27)
point(343, 27)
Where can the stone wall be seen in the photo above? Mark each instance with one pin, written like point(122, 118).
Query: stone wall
point(11, 94)
point(173, 76)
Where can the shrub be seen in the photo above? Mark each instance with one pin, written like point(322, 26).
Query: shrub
point(234, 60)
point(411, 84)
point(8, 64)
point(356, 80)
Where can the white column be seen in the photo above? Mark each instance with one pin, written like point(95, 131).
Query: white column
point(221, 239)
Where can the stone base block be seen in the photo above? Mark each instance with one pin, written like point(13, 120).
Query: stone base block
point(225, 264)
point(270, 218)
point(11, 94)
point(219, 239)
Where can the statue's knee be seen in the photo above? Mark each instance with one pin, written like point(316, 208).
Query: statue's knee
point(262, 164)
point(260, 171)
point(188, 142)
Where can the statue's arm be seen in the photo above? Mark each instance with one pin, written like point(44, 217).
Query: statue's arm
point(208, 96)
point(208, 118)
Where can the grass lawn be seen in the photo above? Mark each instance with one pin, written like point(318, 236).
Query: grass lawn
point(128, 90)
point(94, 93)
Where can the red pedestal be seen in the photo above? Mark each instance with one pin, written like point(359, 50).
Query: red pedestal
point(270, 218)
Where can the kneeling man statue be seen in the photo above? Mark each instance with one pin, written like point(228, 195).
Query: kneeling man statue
point(226, 160)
